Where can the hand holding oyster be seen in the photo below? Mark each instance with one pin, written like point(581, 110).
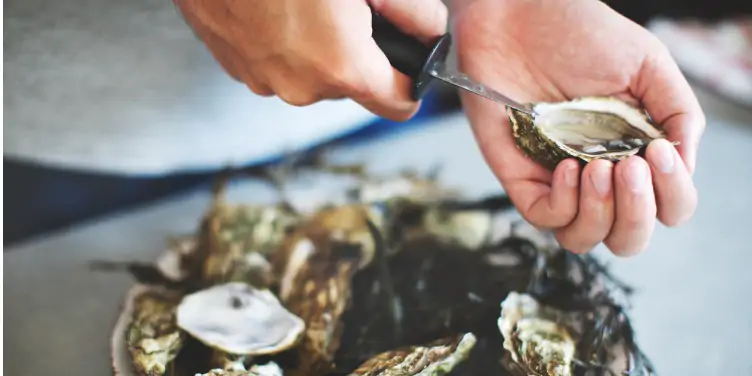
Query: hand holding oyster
point(592, 77)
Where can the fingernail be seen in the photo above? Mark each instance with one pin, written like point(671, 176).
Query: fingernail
point(601, 180)
point(636, 177)
point(570, 176)
point(663, 158)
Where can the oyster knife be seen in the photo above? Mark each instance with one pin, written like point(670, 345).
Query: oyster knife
point(427, 64)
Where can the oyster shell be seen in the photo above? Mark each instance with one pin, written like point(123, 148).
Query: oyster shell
point(586, 128)
point(236, 318)
point(406, 185)
point(269, 369)
point(318, 266)
point(534, 337)
point(470, 229)
point(146, 338)
point(343, 224)
point(238, 239)
point(435, 359)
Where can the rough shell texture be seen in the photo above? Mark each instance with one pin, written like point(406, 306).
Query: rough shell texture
point(237, 239)
point(534, 337)
point(269, 369)
point(537, 146)
point(434, 359)
point(239, 319)
point(145, 338)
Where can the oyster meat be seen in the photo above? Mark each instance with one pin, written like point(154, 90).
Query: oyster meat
point(435, 359)
point(236, 318)
point(586, 128)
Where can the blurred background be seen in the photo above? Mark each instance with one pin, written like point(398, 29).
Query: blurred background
point(110, 105)
point(113, 111)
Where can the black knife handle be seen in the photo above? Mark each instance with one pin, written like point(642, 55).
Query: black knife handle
point(408, 55)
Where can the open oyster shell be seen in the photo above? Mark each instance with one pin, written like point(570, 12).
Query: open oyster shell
point(435, 359)
point(146, 338)
point(238, 319)
point(586, 128)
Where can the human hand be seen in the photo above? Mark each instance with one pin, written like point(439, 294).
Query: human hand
point(557, 50)
point(306, 51)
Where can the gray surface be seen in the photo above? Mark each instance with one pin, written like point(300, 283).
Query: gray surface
point(125, 87)
point(693, 313)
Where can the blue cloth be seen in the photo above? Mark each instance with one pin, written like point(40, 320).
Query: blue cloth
point(39, 199)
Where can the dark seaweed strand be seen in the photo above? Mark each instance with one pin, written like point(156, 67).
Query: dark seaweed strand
point(552, 284)
point(391, 299)
point(142, 272)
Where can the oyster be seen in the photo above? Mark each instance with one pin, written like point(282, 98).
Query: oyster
point(318, 267)
point(586, 128)
point(406, 185)
point(236, 318)
point(435, 359)
point(470, 229)
point(269, 369)
point(534, 337)
point(238, 239)
point(343, 224)
point(148, 330)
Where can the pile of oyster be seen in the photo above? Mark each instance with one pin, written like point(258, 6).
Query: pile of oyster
point(398, 275)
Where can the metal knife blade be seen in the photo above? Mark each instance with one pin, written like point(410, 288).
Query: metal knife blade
point(442, 72)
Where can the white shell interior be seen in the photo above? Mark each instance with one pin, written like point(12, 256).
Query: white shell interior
point(239, 319)
point(559, 123)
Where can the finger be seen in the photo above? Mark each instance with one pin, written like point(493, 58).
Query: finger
point(635, 208)
point(425, 19)
point(669, 100)
point(377, 86)
point(549, 207)
point(596, 211)
point(258, 87)
point(676, 194)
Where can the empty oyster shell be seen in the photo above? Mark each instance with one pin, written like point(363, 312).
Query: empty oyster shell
point(537, 342)
point(435, 359)
point(238, 319)
point(587, 128)
point(146, 338)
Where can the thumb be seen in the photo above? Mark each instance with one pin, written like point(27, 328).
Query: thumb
point(424, 19)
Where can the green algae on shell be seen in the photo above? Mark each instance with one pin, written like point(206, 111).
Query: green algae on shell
point(586, 128)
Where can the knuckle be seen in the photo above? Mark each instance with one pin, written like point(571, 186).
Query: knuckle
point(347, 82)
point(298, 98)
